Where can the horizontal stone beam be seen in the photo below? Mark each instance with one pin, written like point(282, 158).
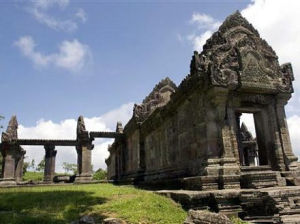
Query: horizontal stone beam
point(55, 142)
point(104, 134)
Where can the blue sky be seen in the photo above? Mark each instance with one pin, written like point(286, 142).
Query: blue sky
point(63, 58)
point(132, 45)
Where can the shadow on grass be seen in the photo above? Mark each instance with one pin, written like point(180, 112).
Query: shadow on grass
point(46, 207)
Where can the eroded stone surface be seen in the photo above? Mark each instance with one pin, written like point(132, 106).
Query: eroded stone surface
point(113, 221)
point(206, 217)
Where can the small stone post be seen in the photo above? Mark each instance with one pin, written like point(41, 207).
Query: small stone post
point(84, 153)
point(49, 163)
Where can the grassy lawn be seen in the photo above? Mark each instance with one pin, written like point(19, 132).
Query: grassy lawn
point(34, 176)
point(63, 204)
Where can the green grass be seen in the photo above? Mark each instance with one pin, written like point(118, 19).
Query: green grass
point(63, 204)
point(34, 176)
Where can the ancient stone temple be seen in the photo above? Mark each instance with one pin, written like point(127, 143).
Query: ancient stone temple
point(191, 135)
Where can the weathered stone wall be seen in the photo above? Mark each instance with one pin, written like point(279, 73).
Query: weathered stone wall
point(177, 143)
point(132, 152)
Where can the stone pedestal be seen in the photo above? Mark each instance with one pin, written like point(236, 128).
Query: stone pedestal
point(49, 163)
point(8, 166)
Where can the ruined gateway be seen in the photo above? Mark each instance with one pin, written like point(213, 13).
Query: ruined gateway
point(189, 137)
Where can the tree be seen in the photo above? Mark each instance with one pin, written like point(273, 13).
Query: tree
point(1, 118)
point(32, 165)
point(41, 166)
point(25, 167)
point(1, 158)
point(70, 167)
point(100, 174)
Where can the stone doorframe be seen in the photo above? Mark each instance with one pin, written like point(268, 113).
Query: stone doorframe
point(271, 128)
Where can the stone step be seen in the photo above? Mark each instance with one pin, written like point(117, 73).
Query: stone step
point(290, 219)
point(255, 168)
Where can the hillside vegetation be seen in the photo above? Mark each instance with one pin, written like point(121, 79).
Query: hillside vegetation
point(63, 204)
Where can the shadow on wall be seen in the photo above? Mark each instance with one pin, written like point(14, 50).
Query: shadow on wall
point(53, 206)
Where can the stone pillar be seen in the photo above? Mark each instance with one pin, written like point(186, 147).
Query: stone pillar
point(84, 166)
point(8, 164)
point(290, 158)
point(223, 165)
point(278, 160)
point(8, 150)
point(19, 162)
point(84, 153)
point(49, 172)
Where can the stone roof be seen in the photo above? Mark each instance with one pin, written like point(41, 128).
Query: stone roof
point(237, 57)
point(157, 98)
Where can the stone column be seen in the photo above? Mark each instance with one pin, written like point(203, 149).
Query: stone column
point(84, 153)
point(49, 163)
point(290, 158)
point(278, 160)
point(19, 162)
point(8, 166)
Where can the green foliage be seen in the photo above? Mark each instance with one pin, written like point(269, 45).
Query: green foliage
point(64, 204)
point(32, 165)
point(25, 167)
point(1, 161)
point(100, 174)
point(70, 167)
point(41, 166)
point(236, 220)
point(34, 176)
point(1, 158)
point(1, 118)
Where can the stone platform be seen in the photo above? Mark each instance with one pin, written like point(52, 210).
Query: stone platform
point(266, 205)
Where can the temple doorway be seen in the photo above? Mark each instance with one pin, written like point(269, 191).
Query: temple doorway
point(248, 147)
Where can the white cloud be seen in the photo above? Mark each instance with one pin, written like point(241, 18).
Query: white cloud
point(278, 22)
point(248, 120)
point(72, 55)
point(66, 129)
point(206, 25)
point(81, 14)
point(294, 124)
point(204, 21)
point(27, 46)
point(40, 10)
point(46, 4)
point(52, 22)
point(199, 40)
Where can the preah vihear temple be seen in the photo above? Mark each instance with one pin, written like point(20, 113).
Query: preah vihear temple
point(187, 141)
